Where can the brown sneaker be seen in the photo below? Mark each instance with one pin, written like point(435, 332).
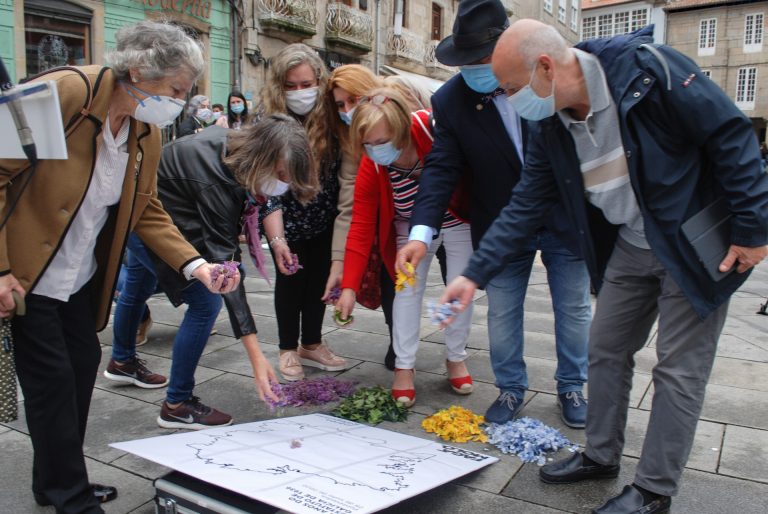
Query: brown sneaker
point(322, 357)
point(141, 334)
point(134, 372)
point(290, 366)
point(192, 414)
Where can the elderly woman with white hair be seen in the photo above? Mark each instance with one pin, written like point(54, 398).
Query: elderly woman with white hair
point(66, 223)
point(199, 116)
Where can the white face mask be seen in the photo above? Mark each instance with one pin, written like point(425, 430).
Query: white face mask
point(157, 110)
point(275, 187)
point(301, 101)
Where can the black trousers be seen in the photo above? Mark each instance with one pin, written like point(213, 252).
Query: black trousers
point(387, 297)
point(298, 307)
point(57, 357)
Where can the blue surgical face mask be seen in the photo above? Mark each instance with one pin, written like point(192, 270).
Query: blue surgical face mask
point(531, 106)
point(384, 154)
point(237, 108)
point(205, 114)
point(479, 77)
point(346, 117)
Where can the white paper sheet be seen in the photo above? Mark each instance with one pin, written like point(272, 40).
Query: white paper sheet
point(44, 118)
point(312, 464)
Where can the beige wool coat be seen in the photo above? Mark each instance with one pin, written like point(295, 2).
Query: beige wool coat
point(48, 205)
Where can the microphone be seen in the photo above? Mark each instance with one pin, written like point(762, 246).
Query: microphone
point(19, 119)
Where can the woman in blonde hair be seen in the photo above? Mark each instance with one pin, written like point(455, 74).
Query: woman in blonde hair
point(296, 85)
point(396, 142)
point(349, 83)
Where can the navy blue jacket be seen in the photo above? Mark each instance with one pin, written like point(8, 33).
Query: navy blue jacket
point(470, 138)
point(685, 146)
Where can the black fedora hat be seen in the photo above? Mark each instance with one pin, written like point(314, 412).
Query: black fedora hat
point(478, 25)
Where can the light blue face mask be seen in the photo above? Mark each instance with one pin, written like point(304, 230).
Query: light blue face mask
point(531, 106)
point(384, 154)
point(237, 108)
point(479, 77)
point(346, 117)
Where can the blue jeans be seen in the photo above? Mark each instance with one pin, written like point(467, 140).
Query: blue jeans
point(569, 288)
point(202, 309)
point(137, 283)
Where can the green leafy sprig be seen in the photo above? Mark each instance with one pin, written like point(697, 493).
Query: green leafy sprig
point(371, 405)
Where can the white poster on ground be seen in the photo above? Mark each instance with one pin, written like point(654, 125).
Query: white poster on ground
point(312, 464)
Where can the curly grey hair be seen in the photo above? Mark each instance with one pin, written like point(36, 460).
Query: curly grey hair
point(194, 104)
point(156, 50)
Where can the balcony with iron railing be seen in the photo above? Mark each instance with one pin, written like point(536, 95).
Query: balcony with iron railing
point(430, 60)
point(293, 16)
point(349, 27)
point(407, 45)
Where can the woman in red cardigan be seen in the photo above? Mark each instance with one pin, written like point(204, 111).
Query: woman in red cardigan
point(396, 143)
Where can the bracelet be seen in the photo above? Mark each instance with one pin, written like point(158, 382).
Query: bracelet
point(277, 239)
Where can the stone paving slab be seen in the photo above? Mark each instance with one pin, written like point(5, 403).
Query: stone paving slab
point(141, 467)
point(740, 373)
point(702, 493)
point(161, 365)
point(116, 418)
point(456, 499)
point(730, 405)
point(133, 492)
point(745, 454)
point(737, 347)
point(705, 452)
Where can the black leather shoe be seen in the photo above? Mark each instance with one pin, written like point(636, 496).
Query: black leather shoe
point(630, 501)
point(573, 469)
point(103, 494)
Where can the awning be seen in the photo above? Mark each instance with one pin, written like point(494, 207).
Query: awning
point(430, 83)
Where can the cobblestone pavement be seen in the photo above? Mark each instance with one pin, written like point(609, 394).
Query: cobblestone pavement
point(726, 473)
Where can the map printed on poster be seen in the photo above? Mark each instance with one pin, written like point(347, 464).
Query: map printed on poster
point(312, 464)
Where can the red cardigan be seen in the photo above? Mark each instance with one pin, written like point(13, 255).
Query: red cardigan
point(374, 200)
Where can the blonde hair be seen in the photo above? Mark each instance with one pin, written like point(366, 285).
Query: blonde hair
point(393, 110)
point(317, 122)
point(416, 94)
point(356, 80)
point(254, 151)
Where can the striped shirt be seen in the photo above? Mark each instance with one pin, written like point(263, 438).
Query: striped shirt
point(405, 185)
point(601, 154)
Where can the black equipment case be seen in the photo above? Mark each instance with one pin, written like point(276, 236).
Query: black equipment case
point(177, 493)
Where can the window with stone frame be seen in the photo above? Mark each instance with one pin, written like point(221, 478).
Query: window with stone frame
point(753, 32)
point(437, 22)
point(707, 36)
point(56, 33)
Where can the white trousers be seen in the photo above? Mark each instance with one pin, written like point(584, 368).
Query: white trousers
point(407, 308)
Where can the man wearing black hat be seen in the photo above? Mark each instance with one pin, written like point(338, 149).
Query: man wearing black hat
point(479, 139)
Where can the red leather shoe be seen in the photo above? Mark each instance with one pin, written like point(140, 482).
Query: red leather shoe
point(460, 385)
point(405, 396)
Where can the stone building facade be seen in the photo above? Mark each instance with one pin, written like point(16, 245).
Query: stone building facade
point(726, 39)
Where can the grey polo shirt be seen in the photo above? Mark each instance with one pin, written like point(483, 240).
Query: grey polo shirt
point(601, 155)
